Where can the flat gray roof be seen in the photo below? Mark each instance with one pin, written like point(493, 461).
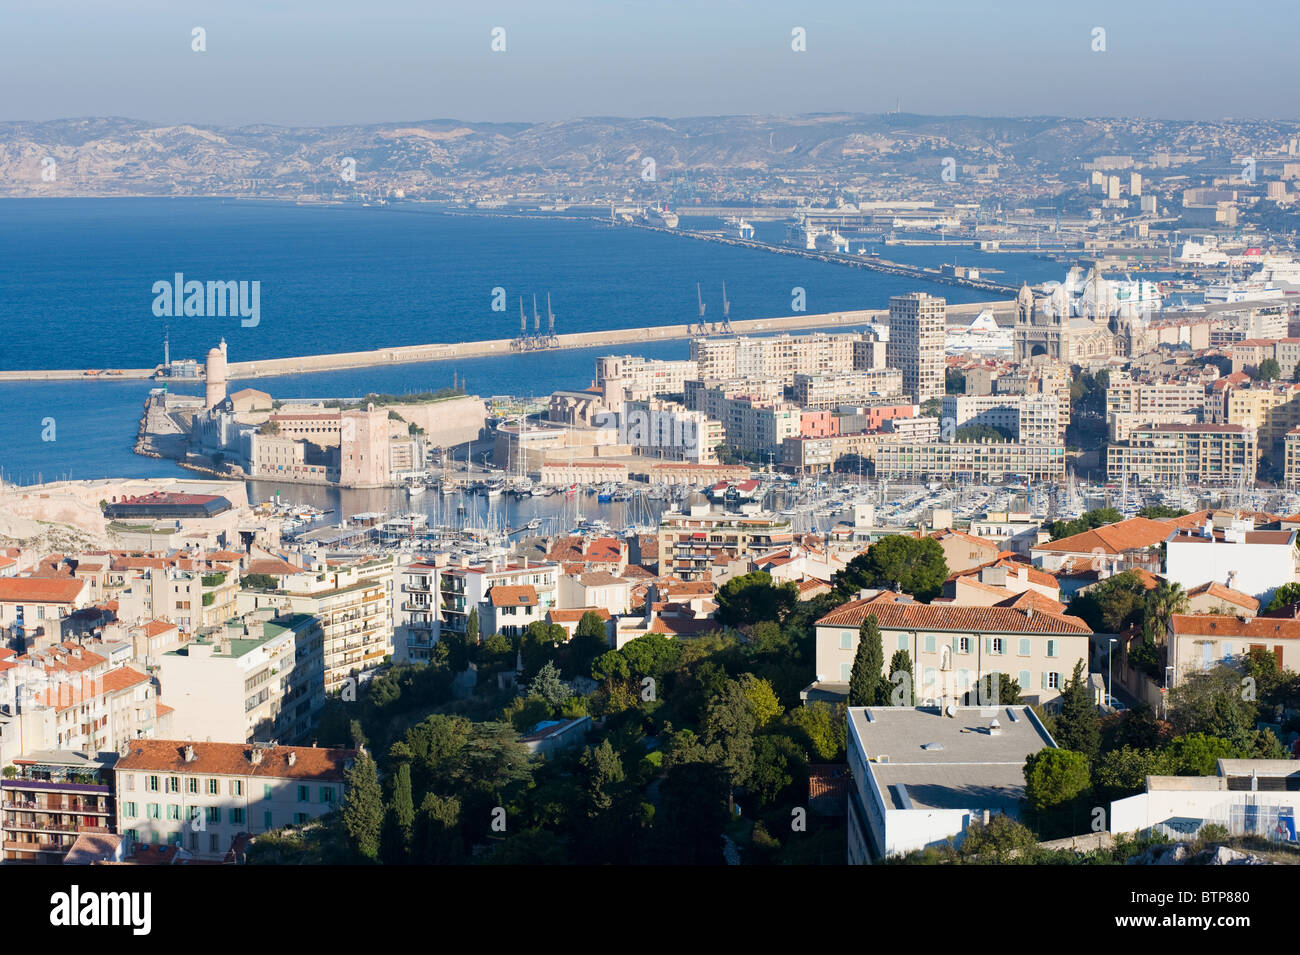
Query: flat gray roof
point(923, 759)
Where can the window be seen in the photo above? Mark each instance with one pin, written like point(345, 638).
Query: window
point(128, 782)
point(1053, 681)
point(194, 841)
point(212, 787)
point(193, 784)
point(173, 812)
point(266, 791)
point(1024, 646)
point(327, 794)
point(300, 817)
point(214, 813)
point(153, 811)
point(237, 816)
point(304, 794)
point(128, 810)
point(1051, 648)
point(846, 639)
point(902, 641)
point(929, 643)
point(214, 842)
point(846, 672)
point(994, 645)
point(133, 835)
point(173, 784)
point(1023, 679)
point(151, 783)
point(174, 839)
point(236, 787)
point(963, 644)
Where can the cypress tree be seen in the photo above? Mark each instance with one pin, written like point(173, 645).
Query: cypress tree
point(1078, 727)
point(901, 662)
point(471, 628)
point(363, 807)
point(867, 682)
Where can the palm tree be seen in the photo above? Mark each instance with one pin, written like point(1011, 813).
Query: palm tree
point(1166, 600)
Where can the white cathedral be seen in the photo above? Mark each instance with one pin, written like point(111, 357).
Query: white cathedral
point(1083, 318)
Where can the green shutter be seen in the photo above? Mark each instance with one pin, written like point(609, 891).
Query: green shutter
point(1044, 679)
point(988, 645)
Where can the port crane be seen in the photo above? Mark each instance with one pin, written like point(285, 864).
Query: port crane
point(726, 312)
point(552, 340)
point(701, 329)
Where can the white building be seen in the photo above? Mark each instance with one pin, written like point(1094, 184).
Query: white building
point(1247, 797)
point(922, 776)
point(1239, 557)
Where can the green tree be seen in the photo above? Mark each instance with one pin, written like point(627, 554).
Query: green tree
point(762, 699)
point(437, 839)
point(752, 597)
point(1000, 841)
point(1113, 604)
point(399, 821)
point(866, 681)
point(1167, 599)
point(913, 565)
point(549, 687)
point(822, 726)
point(1157, 512)
point(728, 732)
point(471, 626)
point(1268, 370)
point(1212, 703)
point(363, 807)
point(778, 766)
point(1053, 777)
point(1288, 593)
point(589, 641)
point(1197, 754)
point(602, 772)
point(1078, 727)
point(1090, 519)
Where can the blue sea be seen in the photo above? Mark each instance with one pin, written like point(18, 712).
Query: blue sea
point(76, 280)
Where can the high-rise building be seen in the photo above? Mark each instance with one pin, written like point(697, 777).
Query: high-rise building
point(916, 340)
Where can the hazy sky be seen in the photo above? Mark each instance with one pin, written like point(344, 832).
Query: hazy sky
point(324, 62)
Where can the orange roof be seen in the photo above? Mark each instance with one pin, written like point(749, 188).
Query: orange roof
point(49, 590)
point(895, 616)
point(155, 627)
point(1117, 538)
point(234, 759)
point(575, 614)
point(1222, 592)
point(1033, 599)
point(524, 595)
point(1218, 625)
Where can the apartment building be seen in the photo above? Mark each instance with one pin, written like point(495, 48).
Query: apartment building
point(415, 612)
point(670, 431)
point(464, 587)
point(1270, 410)
point(811, 455)
point(1128, 393)
point(353, 603)
point(1030, 419)
point(1237, 556)
point(642, 378)
point(754, 426)
point(917, 330)
point(992, 461)
point(953, 647)
point(190, 597)
point(1183, 454)
point(54, 796)
point(1291, 458)
point(777, 358)
point(243, 681)
point(200, 796)
point(831, 390)
point(691, 541)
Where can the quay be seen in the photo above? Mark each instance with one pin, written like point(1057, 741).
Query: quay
point(407, 354)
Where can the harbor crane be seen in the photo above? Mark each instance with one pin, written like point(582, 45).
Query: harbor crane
point(552, 340)
point(726, 312)
point(701, 328)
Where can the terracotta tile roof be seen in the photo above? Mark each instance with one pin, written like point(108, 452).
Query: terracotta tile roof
point(575, 614)
point(1117, 538)
point(636, 570)
point(599, 578)
point(155, 627)
point(234, 759)
point(1222, 592)
point(1218, 625)
point(1192, 536)
point(48, 590)
point(523, 595)
point(1013, 565)
point(895, 616)
point(1032, 598)
point(685, 626)
point(274, 568)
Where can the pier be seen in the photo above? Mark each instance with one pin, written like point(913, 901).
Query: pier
point(407, 354)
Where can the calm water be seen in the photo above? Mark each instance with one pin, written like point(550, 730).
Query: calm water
point(76, 279)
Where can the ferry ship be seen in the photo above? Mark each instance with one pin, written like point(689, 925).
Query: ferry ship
point(660, 217)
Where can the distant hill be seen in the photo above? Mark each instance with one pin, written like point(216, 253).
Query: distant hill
point(115, 156)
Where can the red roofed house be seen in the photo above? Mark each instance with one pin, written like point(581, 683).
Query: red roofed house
point(1110, 549)
point(953, 647)
point(41, 602)
point(962, 551)
point(1203, 641)
point(230, 788)
point(511, 608)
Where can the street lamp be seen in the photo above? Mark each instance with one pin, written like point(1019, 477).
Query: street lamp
point(1109, 652)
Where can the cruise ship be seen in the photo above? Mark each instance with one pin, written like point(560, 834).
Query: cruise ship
point(801, 235)
point(739, 228)
point(983, 336)
point(660, 217)
point(831, 242)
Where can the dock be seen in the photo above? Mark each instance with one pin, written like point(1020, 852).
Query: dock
point(455, 351)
